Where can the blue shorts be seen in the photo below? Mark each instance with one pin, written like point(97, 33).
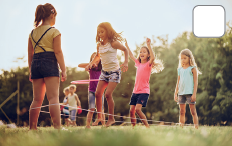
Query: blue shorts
point(92, 100)
point(73, 114)
point(111, 76)
point(44, 65)
point(182, 99)
point(139, 99)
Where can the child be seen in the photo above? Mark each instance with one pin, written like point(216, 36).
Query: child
point(108, 41)
point(186, 86)
point(44, 55)
point(94, 73)
point(65, 108)
point(73, 101)
point(145, 65)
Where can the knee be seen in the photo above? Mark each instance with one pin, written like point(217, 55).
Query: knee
point(182, 111)
point(98, 94)
point(138, 110)
point(108, 95)
point(132, 111)
point(38, 101)
point(193, 112)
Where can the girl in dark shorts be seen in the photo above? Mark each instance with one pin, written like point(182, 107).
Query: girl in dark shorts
point(44, 55)
point(146, 64)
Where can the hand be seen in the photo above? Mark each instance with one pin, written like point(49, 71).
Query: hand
point(175, 98)
point(148, 41)
point(193, 98)
point(87, 68)
point(63, 76)
point(124, 66)
point(30, 78)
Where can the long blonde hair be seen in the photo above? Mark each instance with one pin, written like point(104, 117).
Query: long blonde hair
point(111, 33)
point(157, 64)
point(192, 62)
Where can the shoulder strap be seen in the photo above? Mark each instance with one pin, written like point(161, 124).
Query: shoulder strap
point(37, 43)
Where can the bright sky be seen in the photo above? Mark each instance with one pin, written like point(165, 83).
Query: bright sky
point(77, 20)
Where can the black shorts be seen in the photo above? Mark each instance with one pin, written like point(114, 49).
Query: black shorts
point(139, 99)
point(44, 65)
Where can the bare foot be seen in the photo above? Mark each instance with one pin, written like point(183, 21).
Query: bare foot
point(196, 126)
point(96, 122)
point(87, 127)
point(110, 122)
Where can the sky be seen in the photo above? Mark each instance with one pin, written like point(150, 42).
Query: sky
point(77, 20)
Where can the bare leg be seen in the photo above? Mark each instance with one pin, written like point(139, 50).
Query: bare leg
point(182, 114)
point(101, 86)
point(52, 91)
point(38, 97)
point(109, 91)
point(194, 115)
point(89, 117)
point(132, 115)
point(142, 116)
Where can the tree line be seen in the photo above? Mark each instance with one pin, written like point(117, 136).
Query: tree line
point(214, 95)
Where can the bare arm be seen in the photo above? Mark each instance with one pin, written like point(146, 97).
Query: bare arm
point(83, 65)
point(96, 58)
point(152, 56)
point(195, 81)
point(78, 101)
point(130, 53)
point(30, 56)
point(176, 90)
point(59, 55)
point(118, 45)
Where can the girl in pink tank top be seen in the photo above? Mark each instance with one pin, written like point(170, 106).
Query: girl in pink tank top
point(145, 66)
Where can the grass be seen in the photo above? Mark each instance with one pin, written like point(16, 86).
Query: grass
point(118, 136)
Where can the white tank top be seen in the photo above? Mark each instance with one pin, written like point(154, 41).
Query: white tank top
point(72, 101)
point(108, 57)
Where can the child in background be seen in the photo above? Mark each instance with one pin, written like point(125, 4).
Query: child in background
point(94, 73)
point(146, 64)
point(73, 102)
point(108, 41)
point(65, 108)
point(186, 86)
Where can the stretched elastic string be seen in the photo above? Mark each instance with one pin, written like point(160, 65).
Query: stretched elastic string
point(172, 123)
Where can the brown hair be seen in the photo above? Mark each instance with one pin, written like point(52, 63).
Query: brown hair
point(42, 12)
point(157, 64)
point(111, 33)
point(99, 67)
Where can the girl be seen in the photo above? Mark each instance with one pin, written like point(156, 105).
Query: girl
point(44, 52)
point(94, 73)
point(108, 41)
point(73, 102)
point(186, 86)
point(65, 108)
point(145, 66)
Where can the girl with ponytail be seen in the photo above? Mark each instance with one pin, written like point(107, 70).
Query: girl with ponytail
point(44, 59)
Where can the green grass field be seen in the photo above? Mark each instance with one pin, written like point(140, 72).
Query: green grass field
point(118, 136)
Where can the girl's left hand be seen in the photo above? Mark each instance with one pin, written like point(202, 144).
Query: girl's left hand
point(124, 66)
point(193, 98)
point(148, 41)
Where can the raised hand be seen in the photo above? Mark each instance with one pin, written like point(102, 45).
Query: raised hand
point(148, 41)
